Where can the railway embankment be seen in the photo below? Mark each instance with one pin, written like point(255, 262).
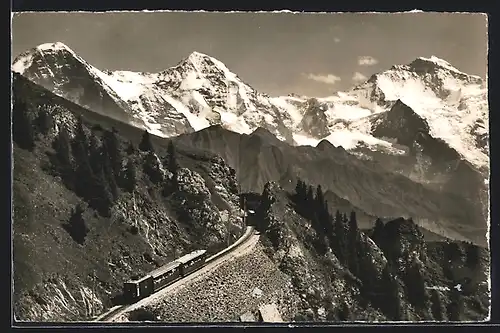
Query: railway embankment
point(239, 285)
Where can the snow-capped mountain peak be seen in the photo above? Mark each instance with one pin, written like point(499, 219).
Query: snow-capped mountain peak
point(54, 46)
point(438, 62)
point(201, 91)
point(202, 62)
point(25, 59)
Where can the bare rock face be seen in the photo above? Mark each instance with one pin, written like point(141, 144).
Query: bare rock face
point(402, 238)
point(315, 121)
point(400, 123)
point(196, 206)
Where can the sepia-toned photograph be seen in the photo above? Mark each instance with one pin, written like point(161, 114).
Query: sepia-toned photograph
point(244, 167)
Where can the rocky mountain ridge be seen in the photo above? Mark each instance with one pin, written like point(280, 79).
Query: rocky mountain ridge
point(364, 185)
point(201, 91)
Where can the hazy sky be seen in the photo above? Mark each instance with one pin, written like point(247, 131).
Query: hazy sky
point(310, 54)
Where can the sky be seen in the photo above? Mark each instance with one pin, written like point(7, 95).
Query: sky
point(276, 53)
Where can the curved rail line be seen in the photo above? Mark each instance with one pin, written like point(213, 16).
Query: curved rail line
point(250, 231)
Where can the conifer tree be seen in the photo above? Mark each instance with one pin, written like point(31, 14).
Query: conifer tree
point(340, 245)
point(172, 163)
point(113, 148)
point(131, 150)
point(109, 174)
point(353, 240)
point(320, 244)
point(320, 198)
point(378, 232)
point(344, 313)
point(22, 126)
point(455, 306)
point(345, 220)
point(102, 198)
point(472, 253)
point(76, 226)
point(95, 158)
point(391, 301)
point(301, 198)
point(44, 122)
point(310, 195)
point(453, 257)
point(438, 309)
point(146, 144)
point(83, 171)
point(453, 251)
point(151, 168)
point(80, 143)
point(80, 133)
point(130, 176)
point(415, 285)
point(301, 190)
point(353, 225)
point(322, 211)
point(62, 147)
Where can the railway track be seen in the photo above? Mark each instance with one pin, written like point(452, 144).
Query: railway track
point(110, 313)
point(210, 264)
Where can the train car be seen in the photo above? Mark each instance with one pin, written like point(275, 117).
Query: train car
point(139, 288)
point(136, 289)
point(165, 275)
point(192, 261)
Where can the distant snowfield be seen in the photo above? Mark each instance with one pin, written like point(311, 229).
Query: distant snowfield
point(451, 101)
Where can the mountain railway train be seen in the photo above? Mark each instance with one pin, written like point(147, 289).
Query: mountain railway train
point(137, 289)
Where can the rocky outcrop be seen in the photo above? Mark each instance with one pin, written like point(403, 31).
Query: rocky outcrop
point(400, 123)
point(314, 121)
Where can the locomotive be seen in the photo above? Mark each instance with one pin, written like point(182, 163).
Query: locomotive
point(136, 289)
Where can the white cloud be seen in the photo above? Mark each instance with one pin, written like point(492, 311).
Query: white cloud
point(367, 61)
point(324, 78)
point(336, 40)
point(358, 77)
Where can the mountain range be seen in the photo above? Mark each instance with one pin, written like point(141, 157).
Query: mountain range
point(410, 141)
point(362, 200)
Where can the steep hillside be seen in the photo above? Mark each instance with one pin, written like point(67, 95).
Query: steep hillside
point(366, 185)
point(392, 274)
point(97, 201)
point(317, 267)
